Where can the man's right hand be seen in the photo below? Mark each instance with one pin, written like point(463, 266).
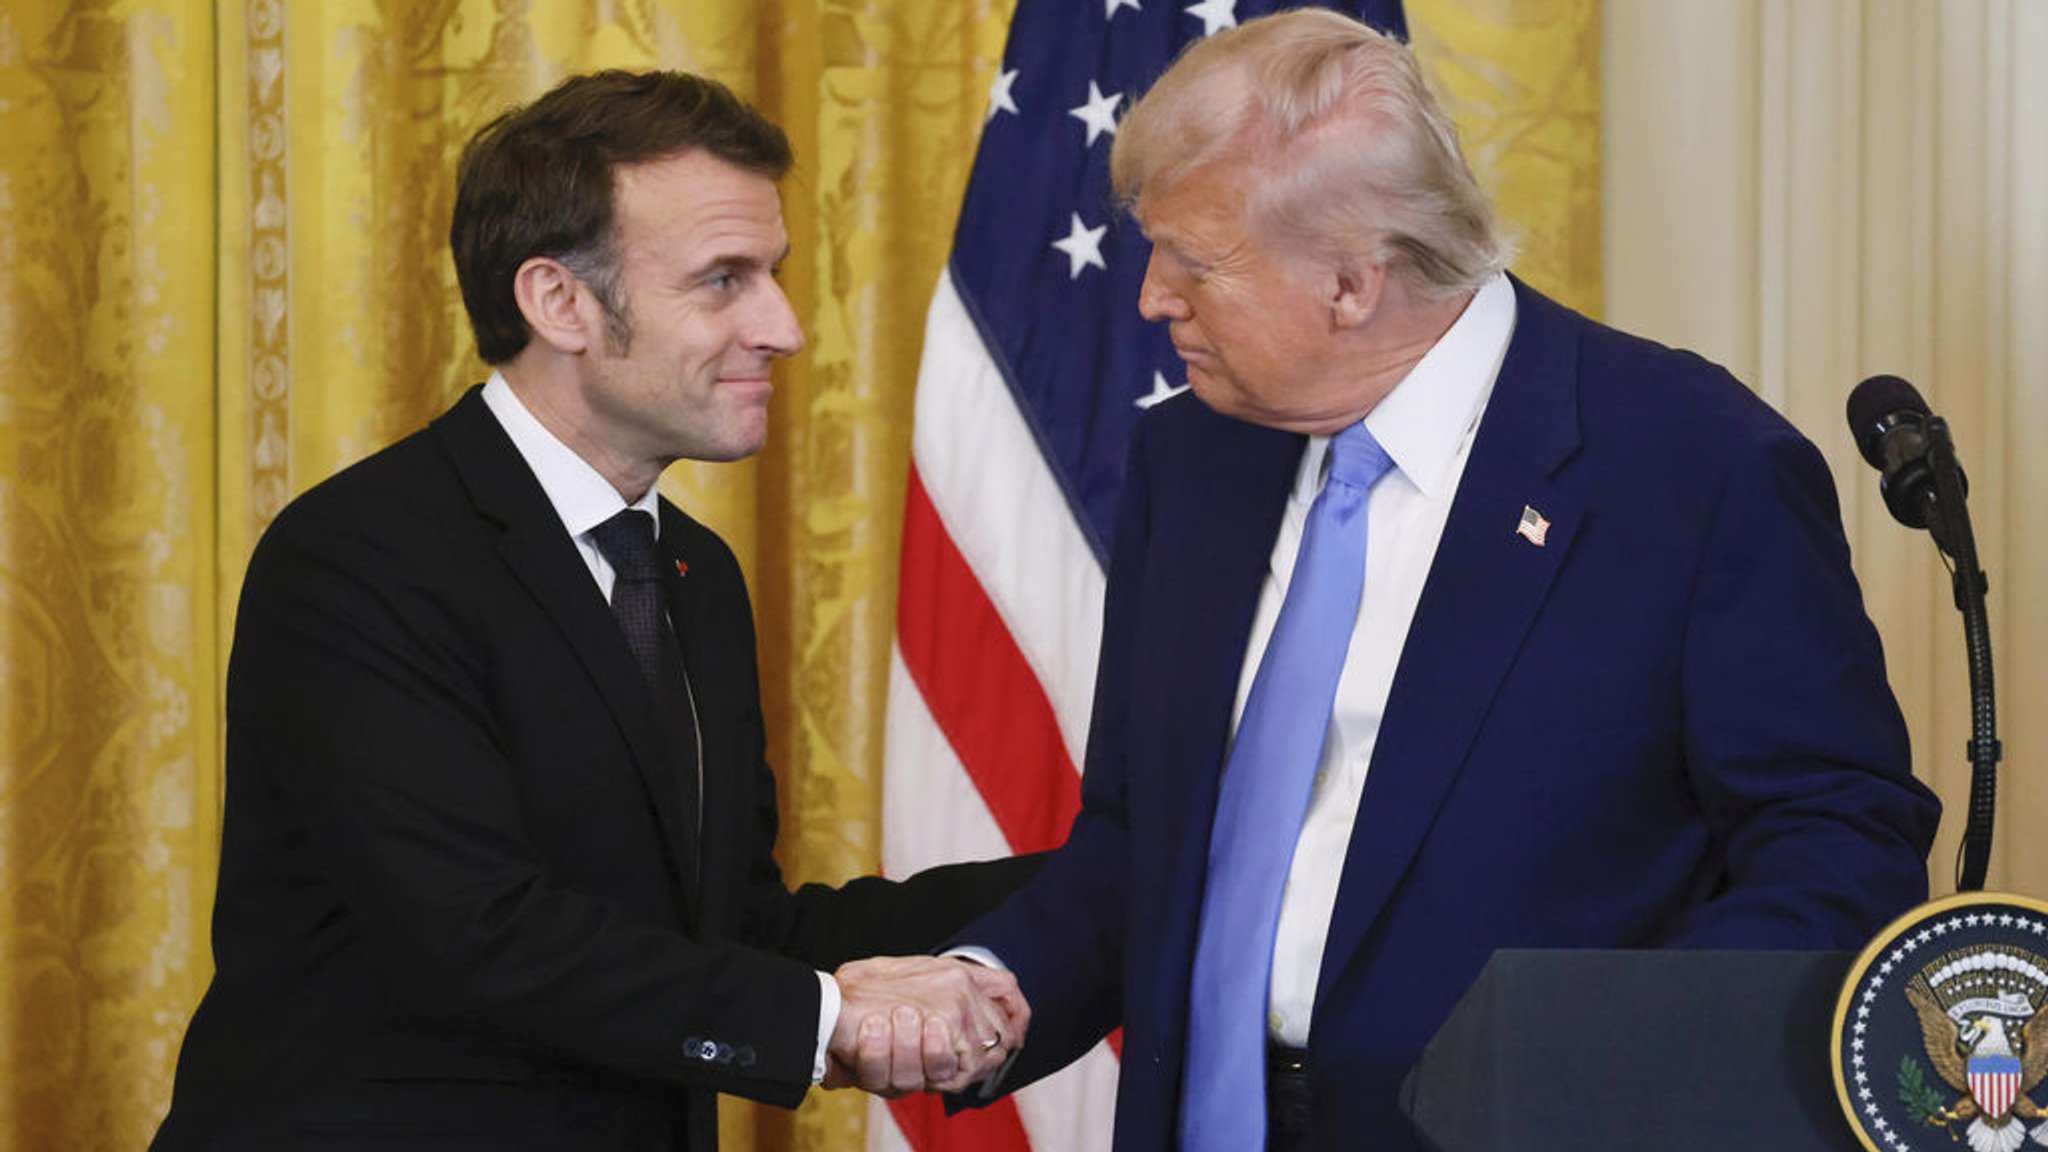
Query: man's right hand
point(916, 1023)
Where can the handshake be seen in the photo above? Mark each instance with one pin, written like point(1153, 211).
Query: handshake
point(923, 1023)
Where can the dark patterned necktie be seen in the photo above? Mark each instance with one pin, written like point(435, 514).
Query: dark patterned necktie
point(627, 541)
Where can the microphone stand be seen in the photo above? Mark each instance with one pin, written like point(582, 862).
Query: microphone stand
point(1950, 528)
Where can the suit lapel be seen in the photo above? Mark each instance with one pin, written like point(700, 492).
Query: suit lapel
point(1485, 587)
point(710, 662)
point(538, 551)
point(1201, 589)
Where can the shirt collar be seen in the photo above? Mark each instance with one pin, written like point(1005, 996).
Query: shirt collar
point(581, 495)
point(1423, 422)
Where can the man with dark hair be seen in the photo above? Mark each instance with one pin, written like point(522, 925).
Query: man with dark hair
point(540, 180)
point(496, 865)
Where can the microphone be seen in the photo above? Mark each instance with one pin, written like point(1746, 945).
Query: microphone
point(1924, 488)
point(1896, 432)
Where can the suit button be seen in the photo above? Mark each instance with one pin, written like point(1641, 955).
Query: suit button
point(724, 1053)
point(743, 1056)
point(689, 1047)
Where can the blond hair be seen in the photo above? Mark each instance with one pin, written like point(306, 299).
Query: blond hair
point(1355, 160)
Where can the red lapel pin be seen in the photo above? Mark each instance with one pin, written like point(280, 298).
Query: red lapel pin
point(682, 569)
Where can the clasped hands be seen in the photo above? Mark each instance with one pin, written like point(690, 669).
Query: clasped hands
point(923, 1023)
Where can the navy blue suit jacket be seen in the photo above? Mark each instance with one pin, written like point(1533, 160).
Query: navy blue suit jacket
point(1668, 725)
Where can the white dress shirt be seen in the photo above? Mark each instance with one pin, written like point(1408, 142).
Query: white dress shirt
point(584, 499)
point(1426, 424)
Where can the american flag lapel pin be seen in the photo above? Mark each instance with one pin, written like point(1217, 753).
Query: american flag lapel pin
point(683, 568)
point(1533, 527)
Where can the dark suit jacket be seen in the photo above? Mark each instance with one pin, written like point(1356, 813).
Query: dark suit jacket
point(1668, 725)
point(451, 906)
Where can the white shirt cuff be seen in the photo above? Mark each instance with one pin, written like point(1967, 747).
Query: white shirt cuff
point(828, 1019)
point(978, 955)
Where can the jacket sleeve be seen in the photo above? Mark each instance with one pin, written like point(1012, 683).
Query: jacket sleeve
point(361, 719)
point(1793, 741)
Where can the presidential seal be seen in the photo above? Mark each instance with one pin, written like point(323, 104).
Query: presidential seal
point(1941, 1038)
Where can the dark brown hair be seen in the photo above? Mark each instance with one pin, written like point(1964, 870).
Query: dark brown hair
point(537, 181)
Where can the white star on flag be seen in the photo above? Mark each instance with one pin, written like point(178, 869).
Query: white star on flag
point(1083, 246)
point(1099, 113)
point(999, 98)
point(1215, 15)
point(1109, 7)
point(1161, 390)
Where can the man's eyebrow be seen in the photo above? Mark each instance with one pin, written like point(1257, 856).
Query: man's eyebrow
point(741, 261)
point(1165, 236)
point(1172, 244)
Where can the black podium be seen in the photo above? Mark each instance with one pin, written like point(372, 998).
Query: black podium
point(1674, 1051)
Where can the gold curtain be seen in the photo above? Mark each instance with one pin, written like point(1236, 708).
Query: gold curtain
point(223, 276)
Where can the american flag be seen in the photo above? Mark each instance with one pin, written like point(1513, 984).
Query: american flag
point(1036, 368)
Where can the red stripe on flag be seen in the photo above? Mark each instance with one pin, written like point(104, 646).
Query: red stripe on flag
point(922, 1119)
point(979, 688)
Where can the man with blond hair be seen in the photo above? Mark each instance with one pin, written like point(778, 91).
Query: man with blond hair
point(1440, 619)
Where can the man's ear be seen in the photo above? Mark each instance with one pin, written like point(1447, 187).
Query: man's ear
point(561, 309)
point(1356, 292)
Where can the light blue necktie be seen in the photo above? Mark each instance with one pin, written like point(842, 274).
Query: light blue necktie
point(1264, 798)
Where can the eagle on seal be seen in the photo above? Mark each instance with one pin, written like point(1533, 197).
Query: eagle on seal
point(1993, 1064)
